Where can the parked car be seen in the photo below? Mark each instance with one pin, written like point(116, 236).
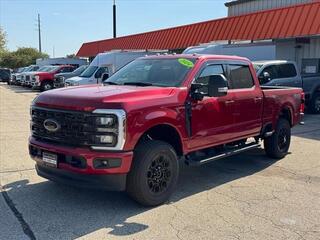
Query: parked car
point(25, 75)
point(131, 133)
point(286, 73)
point(5, 75)
point(44, 80)
point(108, 63)
point(59, 79)
point(16, 76)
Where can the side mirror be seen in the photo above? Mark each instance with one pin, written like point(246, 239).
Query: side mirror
point(217, 86)
point(105, 76)
point(98, 74)
point(264, 77)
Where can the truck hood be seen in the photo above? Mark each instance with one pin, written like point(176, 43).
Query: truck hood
point(75, 79)
point(69, 74)
point(90, 97)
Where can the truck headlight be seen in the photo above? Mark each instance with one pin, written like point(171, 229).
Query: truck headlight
point(107, 121)
point(37, 78)
point(110, 129)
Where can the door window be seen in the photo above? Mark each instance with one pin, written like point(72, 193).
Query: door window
point(240, 77)
point(206, 73)
point(272, 70)
point(100, 71)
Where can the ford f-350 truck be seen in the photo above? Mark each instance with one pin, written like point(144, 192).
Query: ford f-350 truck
point(130, 132)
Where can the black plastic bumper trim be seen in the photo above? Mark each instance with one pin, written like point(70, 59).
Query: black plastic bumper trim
point(110, 182)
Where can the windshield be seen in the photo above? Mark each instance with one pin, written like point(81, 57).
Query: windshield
point(89, 71)
point(163, 72)
point(257, 66)
point(52, 68)
point(20, 70)
point(27, 69)
point(80, 69)
point(43, 69)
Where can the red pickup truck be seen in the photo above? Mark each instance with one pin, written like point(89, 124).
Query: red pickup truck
point(131, 132)
point(44, 80)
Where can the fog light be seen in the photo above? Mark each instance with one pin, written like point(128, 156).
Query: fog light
point(105, 139)
point(104, 163)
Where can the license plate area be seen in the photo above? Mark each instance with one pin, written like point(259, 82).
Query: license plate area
point(50, 159)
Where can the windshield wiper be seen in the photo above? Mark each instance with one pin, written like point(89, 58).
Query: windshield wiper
point(142, 84)
point(110, 83)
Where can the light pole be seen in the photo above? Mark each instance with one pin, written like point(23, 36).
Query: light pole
point(114, 19)
point(39, 32)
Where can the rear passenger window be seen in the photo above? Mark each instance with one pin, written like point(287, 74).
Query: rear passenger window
point(286, 71)
point(240, 77)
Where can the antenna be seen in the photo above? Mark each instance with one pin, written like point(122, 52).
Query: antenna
point(39, 32)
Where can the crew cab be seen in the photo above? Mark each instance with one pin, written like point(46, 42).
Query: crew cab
point(130, 132)
point(44, 80)
point(286, 73)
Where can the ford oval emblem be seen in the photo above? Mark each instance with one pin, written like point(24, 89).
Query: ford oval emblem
point(51, 125)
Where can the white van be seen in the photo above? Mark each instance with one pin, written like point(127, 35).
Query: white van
point(104, 65)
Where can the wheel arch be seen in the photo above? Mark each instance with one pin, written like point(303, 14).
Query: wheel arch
point(164, 132)
point(287, 113)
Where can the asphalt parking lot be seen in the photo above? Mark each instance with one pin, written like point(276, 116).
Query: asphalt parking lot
point(243, 197)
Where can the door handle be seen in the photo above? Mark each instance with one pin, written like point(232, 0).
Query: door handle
point(257, 99)
point(228, 102)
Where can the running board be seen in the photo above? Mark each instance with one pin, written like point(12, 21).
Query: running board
point(224, 154)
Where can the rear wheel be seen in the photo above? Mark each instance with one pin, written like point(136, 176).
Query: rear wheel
point(45, 86)
point(154, 173)
point(315, 103)
point(277, 145)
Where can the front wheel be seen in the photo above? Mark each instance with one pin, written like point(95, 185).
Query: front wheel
point(277, 145)
point(45, 86)
point(154, 173)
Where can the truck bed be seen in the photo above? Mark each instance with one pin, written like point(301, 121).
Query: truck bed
point(275, 97)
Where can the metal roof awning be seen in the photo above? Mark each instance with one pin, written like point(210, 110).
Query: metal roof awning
point(293, 21)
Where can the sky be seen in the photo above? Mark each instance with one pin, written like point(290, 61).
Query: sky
point(66, 24)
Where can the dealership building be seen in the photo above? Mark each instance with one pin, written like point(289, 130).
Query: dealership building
point(291, 26)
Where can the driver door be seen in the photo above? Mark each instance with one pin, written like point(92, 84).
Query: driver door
point(212, 118)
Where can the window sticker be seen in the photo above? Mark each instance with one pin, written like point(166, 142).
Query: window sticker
point(186, 62)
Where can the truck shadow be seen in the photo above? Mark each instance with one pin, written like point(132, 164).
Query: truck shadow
point(60, 212)
point(19, 89)
point(311, 129)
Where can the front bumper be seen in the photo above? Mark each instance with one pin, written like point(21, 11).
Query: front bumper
point(115, 182)
point(35, 84)
point(85, 174)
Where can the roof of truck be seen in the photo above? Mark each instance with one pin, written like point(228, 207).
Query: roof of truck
point(199, 56)
point(271, 62)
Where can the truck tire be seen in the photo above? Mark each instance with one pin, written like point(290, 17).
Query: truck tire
point(154, 173)
point(46, 85)
point(277, 145)
point(315, 103)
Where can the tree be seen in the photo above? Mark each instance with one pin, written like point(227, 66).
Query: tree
point(71, 56)
point(24, 56)
point(3, 41)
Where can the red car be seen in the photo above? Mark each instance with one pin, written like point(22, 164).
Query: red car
point(44, 80)
point(131, 132)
